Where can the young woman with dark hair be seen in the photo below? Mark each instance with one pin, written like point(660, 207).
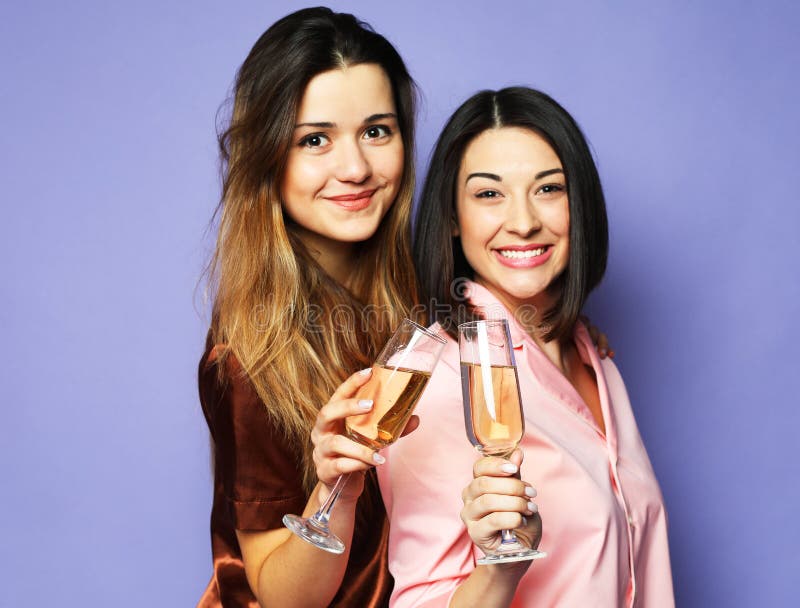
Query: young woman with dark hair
point(514, 215)
point(313, 239)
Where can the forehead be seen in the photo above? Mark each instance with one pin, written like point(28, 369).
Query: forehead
point(347, 94)
point(509, 150)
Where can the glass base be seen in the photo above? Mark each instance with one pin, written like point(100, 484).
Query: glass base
point(314, 533)
point(517, 555)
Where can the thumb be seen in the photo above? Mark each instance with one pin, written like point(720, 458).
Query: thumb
point(516, 457)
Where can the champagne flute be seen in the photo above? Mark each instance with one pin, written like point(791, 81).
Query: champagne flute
point(399, 376)
point(493, 409)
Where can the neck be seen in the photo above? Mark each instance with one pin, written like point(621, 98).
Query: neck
point(529, 315)
point(335, 257)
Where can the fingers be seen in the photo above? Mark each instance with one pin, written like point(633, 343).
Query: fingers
point(509, 486)
point(497, 487)
point(498, 467)
point(332, 413)
point(412, 424)
point(336, 455)
point(485, 504)
point(599, 339)
point(496, 521)
point(488, 514)
point(602, 345)
point(349, 387)
point(497, 499)
point(594, 333)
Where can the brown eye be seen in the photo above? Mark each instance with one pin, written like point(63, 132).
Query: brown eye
point(377, 131)
point(551, 188)
point(314, 140)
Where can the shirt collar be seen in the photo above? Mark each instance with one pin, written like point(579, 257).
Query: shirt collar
point(492, 308)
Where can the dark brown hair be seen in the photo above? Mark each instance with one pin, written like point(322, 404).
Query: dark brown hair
point(588, 233)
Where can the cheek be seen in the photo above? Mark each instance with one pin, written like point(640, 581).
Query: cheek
point(475, 231)
point(389, 164)
point(556, 218)
point(302, 180)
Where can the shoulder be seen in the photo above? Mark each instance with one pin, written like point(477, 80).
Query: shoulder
point(228, 398)
point(614, 382)
point(449, 361)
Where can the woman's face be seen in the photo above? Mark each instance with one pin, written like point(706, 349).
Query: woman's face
point(346, 159)
point(513, 214)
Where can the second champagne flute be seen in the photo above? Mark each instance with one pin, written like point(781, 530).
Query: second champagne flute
point(493, 409)
point(399, 376)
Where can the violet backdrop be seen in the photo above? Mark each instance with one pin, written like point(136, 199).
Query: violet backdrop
point(109, 179)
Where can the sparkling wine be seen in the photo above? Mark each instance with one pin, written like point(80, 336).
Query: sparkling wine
point(492, 410)
point(394, 392)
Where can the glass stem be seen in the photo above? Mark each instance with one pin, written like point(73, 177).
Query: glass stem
point(323, 515)
point(508, 537)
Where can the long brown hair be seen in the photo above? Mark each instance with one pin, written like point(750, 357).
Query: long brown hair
point(442, 283)
point(295, 331)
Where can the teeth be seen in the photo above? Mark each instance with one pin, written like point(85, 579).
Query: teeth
point(530, 253)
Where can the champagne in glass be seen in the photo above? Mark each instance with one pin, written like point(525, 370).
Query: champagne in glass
point(394, 393)
point(493, 408)
point(399, 377)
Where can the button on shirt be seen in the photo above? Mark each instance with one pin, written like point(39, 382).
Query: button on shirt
point(603, 517)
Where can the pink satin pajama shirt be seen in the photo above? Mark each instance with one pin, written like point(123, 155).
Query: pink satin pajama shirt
point(604, 523)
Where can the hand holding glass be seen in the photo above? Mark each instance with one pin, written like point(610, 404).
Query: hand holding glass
point(493, 409)
point(399, 377)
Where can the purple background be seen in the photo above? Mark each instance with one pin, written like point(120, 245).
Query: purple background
point(109, 180)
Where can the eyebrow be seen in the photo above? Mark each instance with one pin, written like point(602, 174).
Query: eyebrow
point(497, 178)
point(332, 125)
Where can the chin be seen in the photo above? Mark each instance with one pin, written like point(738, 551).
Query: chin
point(522, 291)
point(357, 234)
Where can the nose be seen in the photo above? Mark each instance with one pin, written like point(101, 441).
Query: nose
point(521, 216)
point(352, 165)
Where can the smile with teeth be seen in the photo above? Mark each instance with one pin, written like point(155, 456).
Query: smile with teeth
point(514, 254)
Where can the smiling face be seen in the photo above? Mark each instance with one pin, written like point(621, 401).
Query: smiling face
point(346, 160)
point(513, 215)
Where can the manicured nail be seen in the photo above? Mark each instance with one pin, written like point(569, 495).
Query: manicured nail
point(365, 404)
point(378, 458)
point(532, 507)
point(529, 491)
point(366, 371)
point(509, 468)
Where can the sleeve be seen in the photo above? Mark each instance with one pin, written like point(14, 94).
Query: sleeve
point(430, 552)
point(258, 472)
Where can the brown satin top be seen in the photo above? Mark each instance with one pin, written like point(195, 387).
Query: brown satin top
point(257, 479)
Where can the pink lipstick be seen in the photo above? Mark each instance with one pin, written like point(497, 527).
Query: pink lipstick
point(355, 201)
point(523, 256)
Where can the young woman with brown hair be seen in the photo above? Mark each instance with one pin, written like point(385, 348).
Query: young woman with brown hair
point(314, 239)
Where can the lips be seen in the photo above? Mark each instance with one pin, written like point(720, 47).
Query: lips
point(523, 256)
point(353, 201)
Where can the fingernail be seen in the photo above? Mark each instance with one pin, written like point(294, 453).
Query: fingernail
point(611, 353)
point(378, 458)
point(509, 468)
point(366, 371)
point(603, 352)
point(365, 404)
point(524, 521)
point(532, 507)
point(529, 491)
